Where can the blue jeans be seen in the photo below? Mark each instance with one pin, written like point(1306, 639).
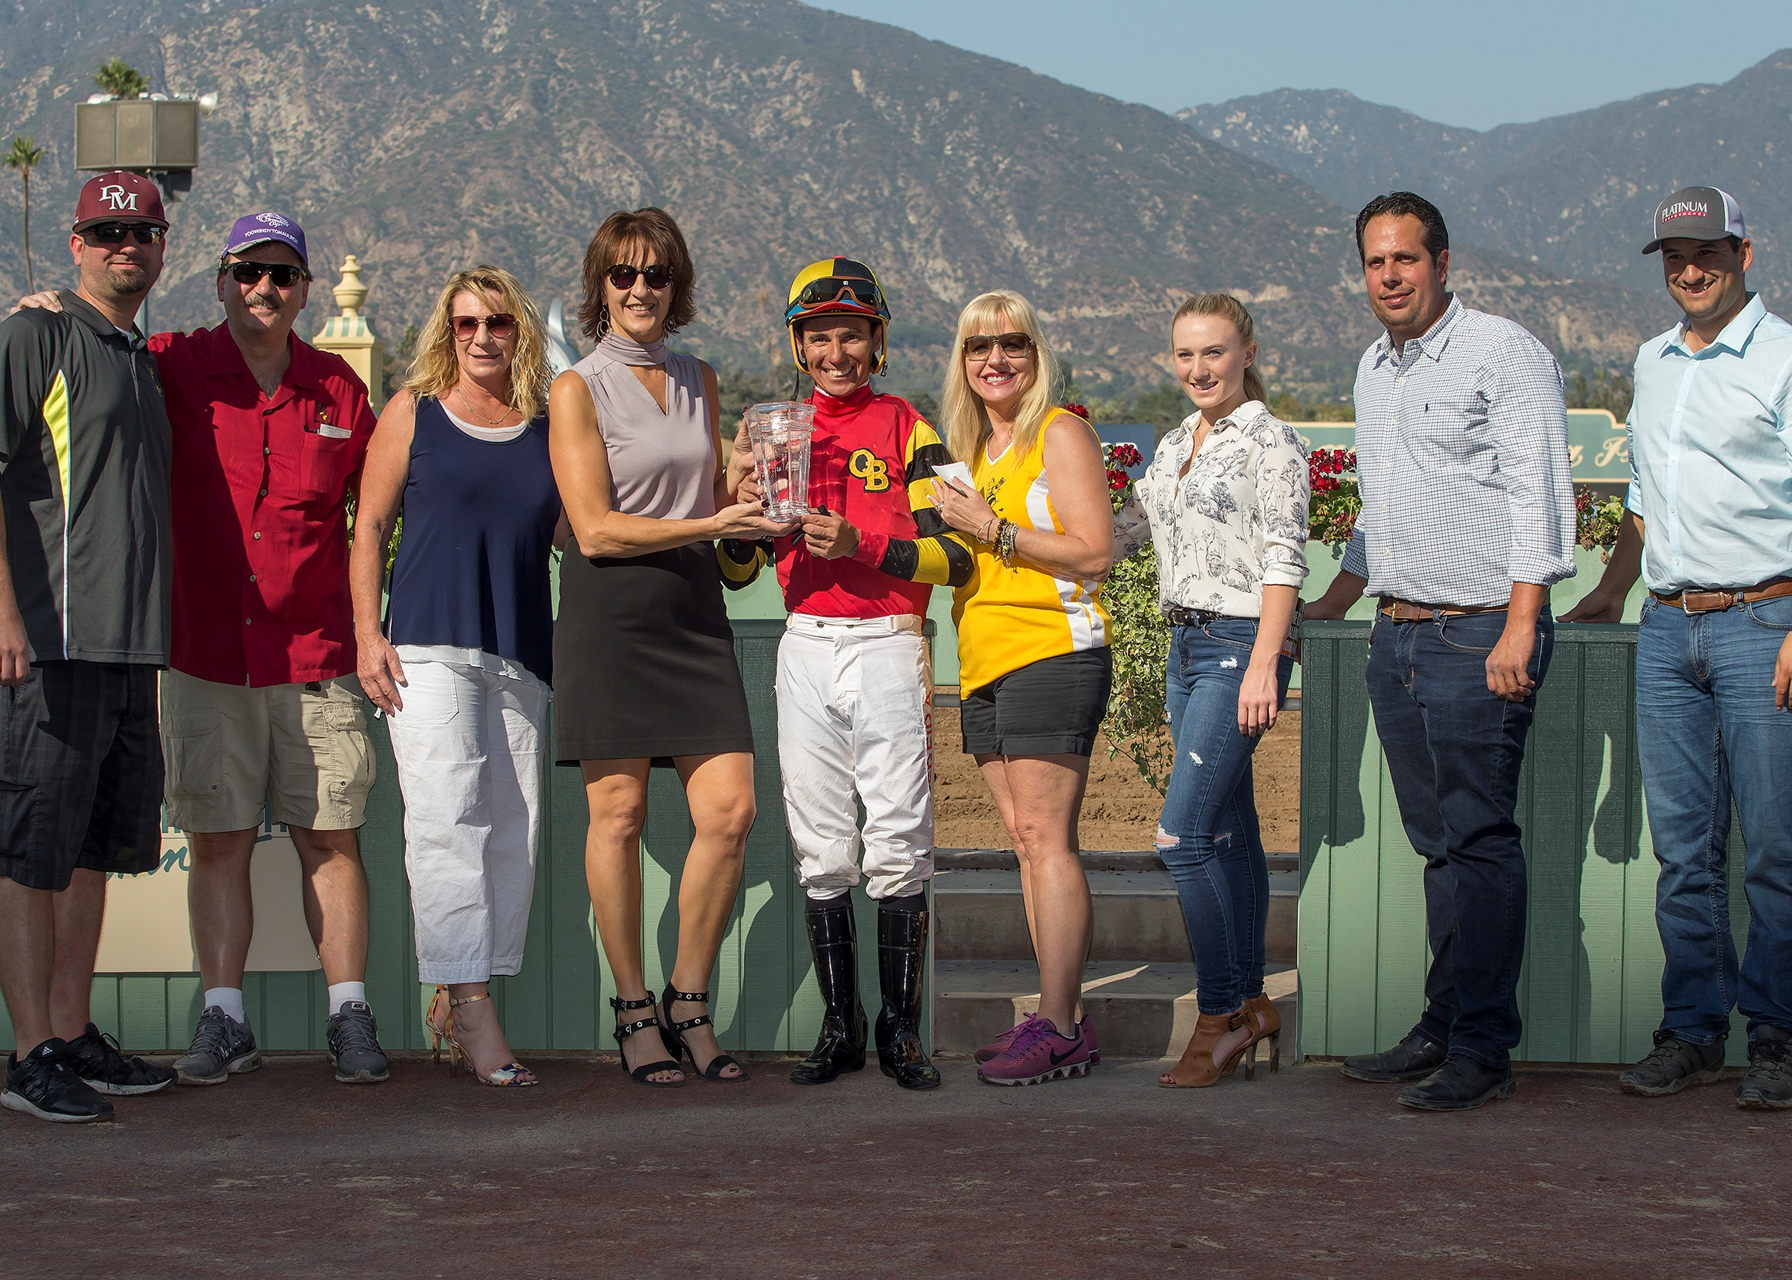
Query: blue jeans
point(1454, 751)
point(1707, 733)
point(1213, 847)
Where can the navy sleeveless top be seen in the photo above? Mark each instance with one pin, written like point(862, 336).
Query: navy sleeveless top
point(472, 564)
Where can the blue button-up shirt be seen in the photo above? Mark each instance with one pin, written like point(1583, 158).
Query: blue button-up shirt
point(1462, 460)
point(1711, 455)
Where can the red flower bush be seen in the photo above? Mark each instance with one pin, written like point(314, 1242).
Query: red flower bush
point(1336, 499)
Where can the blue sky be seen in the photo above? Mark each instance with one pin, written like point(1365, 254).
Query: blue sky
point(1473, 64)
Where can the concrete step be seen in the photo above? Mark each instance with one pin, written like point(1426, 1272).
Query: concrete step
point(980, 915)
point(1140, 1010)
point(1092, 859)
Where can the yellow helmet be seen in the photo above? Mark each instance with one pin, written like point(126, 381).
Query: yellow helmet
point(836, 285)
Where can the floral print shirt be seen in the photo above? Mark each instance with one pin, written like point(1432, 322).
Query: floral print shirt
point(1234, 524)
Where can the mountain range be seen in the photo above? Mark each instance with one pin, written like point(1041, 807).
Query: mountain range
point(1573, 193)
point(424, 135)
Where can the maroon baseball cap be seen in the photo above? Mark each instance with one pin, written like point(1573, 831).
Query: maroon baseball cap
point(119, 197)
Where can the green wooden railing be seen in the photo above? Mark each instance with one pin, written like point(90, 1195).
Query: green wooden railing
point(1591, 986)
point(764, 991)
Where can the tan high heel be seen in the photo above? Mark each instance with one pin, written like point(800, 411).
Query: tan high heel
point(1197, 1058)
point(1266, 1024)
point(438, 1031)
point(511, 1075)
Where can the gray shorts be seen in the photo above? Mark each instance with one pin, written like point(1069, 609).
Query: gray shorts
point(1047, 708)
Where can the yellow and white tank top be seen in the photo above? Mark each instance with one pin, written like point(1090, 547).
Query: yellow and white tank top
point(1010, 617)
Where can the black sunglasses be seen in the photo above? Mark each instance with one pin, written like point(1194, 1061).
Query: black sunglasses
point(1013, 345)
point(499, 325)
point(283, 276)
point(829, 289)
point(622, 276)
point(115, 232)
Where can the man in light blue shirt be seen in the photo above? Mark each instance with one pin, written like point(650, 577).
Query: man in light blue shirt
point(1709, 525)
point(1467, 521)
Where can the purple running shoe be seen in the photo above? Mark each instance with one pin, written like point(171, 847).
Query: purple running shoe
point(996, 1047)
point(1037, 1054)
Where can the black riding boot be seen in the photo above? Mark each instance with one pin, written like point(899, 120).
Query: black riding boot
point(901, 954)
point(841, 1045)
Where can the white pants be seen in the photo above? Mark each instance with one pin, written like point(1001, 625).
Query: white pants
point(855, 715)
point(468, 749)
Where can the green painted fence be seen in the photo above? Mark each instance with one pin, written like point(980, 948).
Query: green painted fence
point(1590, 989)
point(764, 993)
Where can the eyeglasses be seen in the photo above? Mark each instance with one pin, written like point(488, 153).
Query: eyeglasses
point(831, 288)
point(977, 348)
point(622, 276)
point(283, 275)
point(115, 232)
point(499, 325)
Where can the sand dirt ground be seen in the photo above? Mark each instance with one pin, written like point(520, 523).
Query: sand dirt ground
point(1120, 809)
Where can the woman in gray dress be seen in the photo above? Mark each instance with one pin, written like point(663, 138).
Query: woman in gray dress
point(643, 654)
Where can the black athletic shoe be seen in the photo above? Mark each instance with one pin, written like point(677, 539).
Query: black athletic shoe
point(1461, 1084)
point(1673, 1064)
point(354, 1042)
point(47, 1085)
point(1768, 1084)
point(100, 1062)
point(222, 1047)
point(1413, 1058)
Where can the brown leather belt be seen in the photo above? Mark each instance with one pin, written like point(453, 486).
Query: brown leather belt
point(1719, 600)
point(1413, 611)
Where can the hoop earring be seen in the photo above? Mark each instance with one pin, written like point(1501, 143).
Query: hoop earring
point(603, 320)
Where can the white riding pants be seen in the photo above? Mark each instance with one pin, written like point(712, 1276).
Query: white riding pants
point(468, 747)
point(855, 718)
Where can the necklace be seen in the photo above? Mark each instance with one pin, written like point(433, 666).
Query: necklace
point(467, 405)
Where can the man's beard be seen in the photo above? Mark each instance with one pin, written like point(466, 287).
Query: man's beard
point(125, 284)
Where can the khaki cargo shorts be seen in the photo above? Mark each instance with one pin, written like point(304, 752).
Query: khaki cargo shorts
point(302, 750)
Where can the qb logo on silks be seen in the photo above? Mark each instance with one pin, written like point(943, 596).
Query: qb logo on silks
point(870, 468)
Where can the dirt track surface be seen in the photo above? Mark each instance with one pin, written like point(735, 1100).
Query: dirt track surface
point(285, 1173)
point(1120, 810)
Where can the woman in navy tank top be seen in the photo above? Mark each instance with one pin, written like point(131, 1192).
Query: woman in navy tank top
point(463, 662)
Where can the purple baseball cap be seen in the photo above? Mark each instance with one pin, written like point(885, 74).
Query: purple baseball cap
point(263, 228)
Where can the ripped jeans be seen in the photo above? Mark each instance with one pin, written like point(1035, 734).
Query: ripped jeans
point(1208, 836)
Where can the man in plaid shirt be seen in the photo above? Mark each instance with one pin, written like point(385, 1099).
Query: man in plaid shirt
point(1467, 520)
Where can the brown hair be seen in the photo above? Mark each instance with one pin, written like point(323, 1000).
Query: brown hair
point(436, 370)
point(622, 236)
point(1224, 304)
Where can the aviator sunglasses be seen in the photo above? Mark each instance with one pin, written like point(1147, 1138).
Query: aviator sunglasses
point(115, 232)
point(283, 276)
point(500, 325)
point(622, 276)
point(1014, 345)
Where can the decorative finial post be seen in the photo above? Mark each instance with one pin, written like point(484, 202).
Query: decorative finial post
point(351, 337)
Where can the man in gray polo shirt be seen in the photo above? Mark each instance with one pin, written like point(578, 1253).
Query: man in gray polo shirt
point(1467, 520)
point(84, 619)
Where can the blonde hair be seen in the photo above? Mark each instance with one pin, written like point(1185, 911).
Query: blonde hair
point(1224, 304)
point(966, 420)
point(435, 371)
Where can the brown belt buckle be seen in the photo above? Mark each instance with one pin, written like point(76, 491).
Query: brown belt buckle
point(1706, 601)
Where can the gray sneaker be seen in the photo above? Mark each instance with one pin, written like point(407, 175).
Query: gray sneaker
point(222, 1047)
point(1768, 1084)
point(354, 1040)
point(1673, 1064)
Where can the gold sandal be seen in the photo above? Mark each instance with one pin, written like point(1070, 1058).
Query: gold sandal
point(511, 1075)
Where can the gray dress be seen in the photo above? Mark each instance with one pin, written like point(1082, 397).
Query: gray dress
point(643, 655)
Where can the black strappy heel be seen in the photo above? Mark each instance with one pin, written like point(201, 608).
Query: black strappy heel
point(639, 1074)
point(675, 1031)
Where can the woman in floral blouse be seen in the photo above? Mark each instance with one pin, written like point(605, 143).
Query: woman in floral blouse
point(1225, 504)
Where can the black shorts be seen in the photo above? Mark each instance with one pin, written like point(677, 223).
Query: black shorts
point(80, 773)
point(1047, 708)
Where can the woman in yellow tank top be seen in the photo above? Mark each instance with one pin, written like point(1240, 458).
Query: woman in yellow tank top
point(1034, 666)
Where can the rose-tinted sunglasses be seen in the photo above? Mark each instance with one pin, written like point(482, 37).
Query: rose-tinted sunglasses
point(499, 325)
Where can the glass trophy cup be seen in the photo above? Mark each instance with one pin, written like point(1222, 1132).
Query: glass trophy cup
point(779, 433)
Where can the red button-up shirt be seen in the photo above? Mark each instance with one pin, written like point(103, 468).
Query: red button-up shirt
point(260, 536)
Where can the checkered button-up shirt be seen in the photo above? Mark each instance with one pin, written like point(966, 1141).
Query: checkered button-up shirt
point(1462, 457)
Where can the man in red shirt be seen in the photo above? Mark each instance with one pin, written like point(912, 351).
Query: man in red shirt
point(855, 684)
point(261, 713)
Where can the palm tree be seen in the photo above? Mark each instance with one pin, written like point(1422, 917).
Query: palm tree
point(24, 156)
point(120, 79)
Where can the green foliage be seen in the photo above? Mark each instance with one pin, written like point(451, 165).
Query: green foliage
point(1596, 520)
point(1140, 645)
point(740, 390)
point(398, 361)
point(120, 79)
point(1607, 390)
point(1162, 407)
point(925, 405)
point(1291, 408)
